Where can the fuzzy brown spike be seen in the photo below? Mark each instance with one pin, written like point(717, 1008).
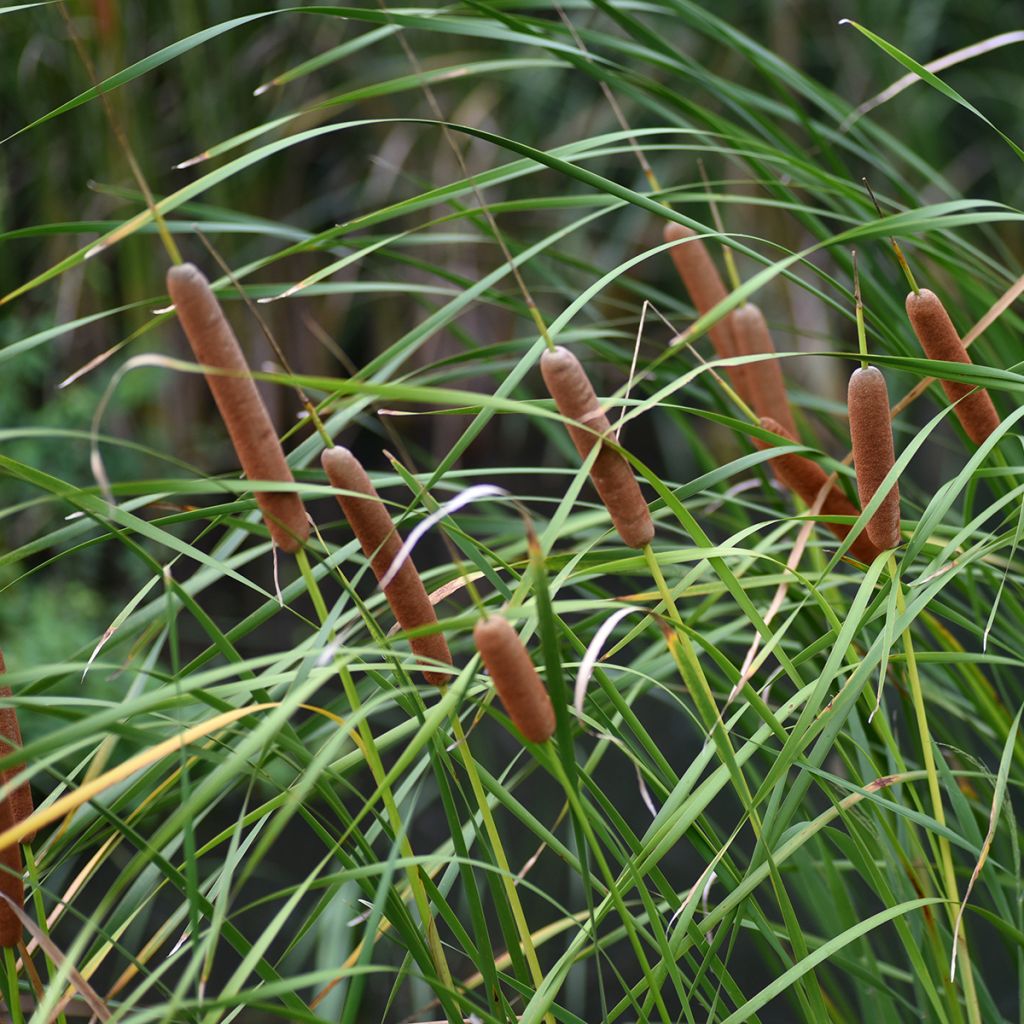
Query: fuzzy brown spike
point(521, 690)
point(241, 407)
point(873, 452)
point(764, 379)
point(940, 340)
point(375, 530)
point(806, 479)
point(706, 289)
point(570, 387)
point(12, 884)
point(10, 739)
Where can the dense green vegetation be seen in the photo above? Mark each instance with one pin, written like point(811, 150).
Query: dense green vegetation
point(782, 783)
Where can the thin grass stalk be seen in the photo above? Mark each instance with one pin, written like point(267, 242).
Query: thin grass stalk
point(806, 479)
point(375, 530)
point(244, 413)
point(940, 340)
point(568, 384)
point(873, 452)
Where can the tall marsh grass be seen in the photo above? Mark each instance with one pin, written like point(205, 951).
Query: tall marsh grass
point(778, 774)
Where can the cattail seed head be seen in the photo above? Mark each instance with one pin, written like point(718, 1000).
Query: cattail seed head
point(241, 407)
point(706, 289)
point(764, 379)
point(939, 339)
point(806, 478)
point(873, 453)
point(10, 740)
point(375, 530)
point(520, 688)
point(12, 884)
point(570, 387)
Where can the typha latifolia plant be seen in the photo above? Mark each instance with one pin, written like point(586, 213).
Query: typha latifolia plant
point(569, 385)
point(765, 385)
point(706, 289)
point(808, 481)
point(375, 530)
point(939, 339)
point(873, 452)
point(512, 672)
point(241, 407)
point(785, 788)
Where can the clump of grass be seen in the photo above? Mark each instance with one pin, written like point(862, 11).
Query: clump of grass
point(568, 384)
point(375, 530)
point(511, 670)
point(241, 406)
point(939, 339)
point(873, 451)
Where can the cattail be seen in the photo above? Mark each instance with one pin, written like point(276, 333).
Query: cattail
point(380, 541)
point(12, 884)
point(873, 454)
point(241, 407)
point(764, 379)
point(520, 688)
point(702, 280)
point(939, 339)
point(806, 479)
point(570, 387)
point(10, 740)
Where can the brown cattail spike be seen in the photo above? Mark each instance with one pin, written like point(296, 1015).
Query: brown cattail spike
point(939, 339)
point(241, 407)
point(706, 289)
point(806, 479)
point(10, 740)
point(570, 387)
point(873, 453)
point(12, 884)
point(376, 533)
point(520, 688)
point(764, 379)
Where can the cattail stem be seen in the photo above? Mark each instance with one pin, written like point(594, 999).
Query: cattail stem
point(570, 387)
point(380, 778)
point(381, 543)
point(948, 870)
point(241, 407)
point(858, 302)
point(523, 694)
point(507, 875)
point(873, 452)
point(807, 479)
point(940, 340)
point(700, 691)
